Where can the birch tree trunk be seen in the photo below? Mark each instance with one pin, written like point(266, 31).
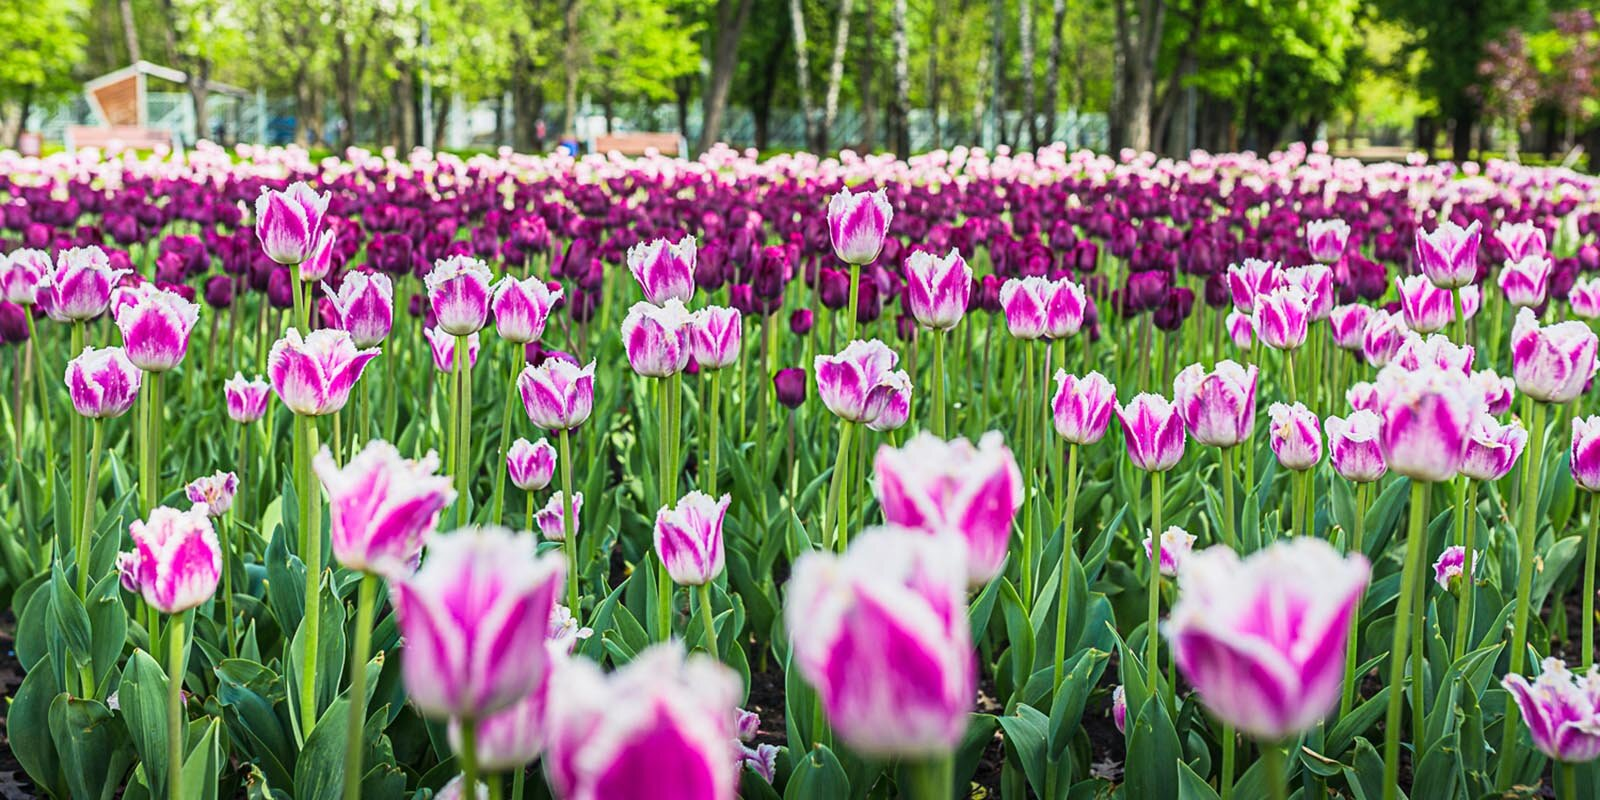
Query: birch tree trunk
point(830, 105)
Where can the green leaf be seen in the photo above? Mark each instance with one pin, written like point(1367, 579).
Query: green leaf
point(28, 724)
point(980, 732)
point(108, 619)
point(88, 737)
point(1081, 675)
point(1027, 732)
point(1192, 786)
point(817, 776)
point(319, 773)
point(70, 618)
point(1153, 753)
point(142, 698)
point(330, 659)
point(1019, 633)
point(201, 765)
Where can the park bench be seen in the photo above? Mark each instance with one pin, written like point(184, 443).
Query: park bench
point(116, 137)
point(639, 143)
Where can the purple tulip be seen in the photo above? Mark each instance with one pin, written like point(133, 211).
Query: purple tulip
point(1263, 639)
point(1176, 546)
point(714, 337)
point(521, 308)
point(1585, 454)
point(1521, 240)
point(801, 321)
point(1353, 446)
point(1251, 279)
point(881, 634)
point(860, 383)
point(382, 506)
point(1526, 283)
point(474, 619)
point(443, 348)
point(1427, 418)
point(1282, 317)
point(246, 400)
point(858, 224)
point(1493, 448)
point(1427, 308)
point(1383, 337)
point(1082, 406)
point(1551, 363)
point(1241, 330)
point(1296, 436)
point(21, 274)
point(664, 270)
point(458, 291)
point(213, 493)
point(289, 221)
point(531, 466)
point(937, 487)
point(364, 306)
point(937, 289)
point(176, 560)
point(790, 386)
point(1326, 239)
point(1153, 431)
point(551, 518)
point(1451, 565)
point(1561, 710)
point(313, 375)
point(1584, 297)
point(1448, 256)
point(1026, 302)
point(155, 326)
point(688, 538)
point(80, 286)
point(219, 292)
point(1218, 407)
point(1349, 325)
point(103, 383)
point(558, 394)
point(662, 726)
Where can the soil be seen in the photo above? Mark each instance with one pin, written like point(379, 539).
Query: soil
point(14, 783)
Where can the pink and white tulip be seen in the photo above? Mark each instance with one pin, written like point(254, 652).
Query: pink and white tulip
point(939, 487)
point(1426, 307)
point(313, 375)
point(1525, 283)
point(103, 383)
point(1251, 279)
point(1176, 546)
point(1241, 330)
point(1552, 363)
point(656, 338)
point(1437, 350)
point(21, 274)
point(531, 466)
point(459, 289)
point(1349, 325)
point(1064, 310)
point(1025, 302)
point(80, 286)
point(1326, 239)
point(1448, 255)
point(1561, 710)
point(1427, 418)
point(1585, 453)
point(1296, 436)
point(289, 221)
point(1353, 446)
point(1584, 298)
point(155, 326)
point(1082, 406)
point(715, 334)
point(664, 270)
point(364, 306)
point(1493, 448)
point(382, 506)
point(213, 493)
point(246, 399)
point(176, 558)
point(1521, 240)
point(1282, 317)
point(1315, 281)
point(1153, 431)
point(1452, 565)
point(937, 289)
point(860, 383)
point(1218, 407)
point(442, 346)
point(551, 519)
point(1384, 334)
point(688, 538)
point(558, 394)
point(1498, 392)
point(857, 225)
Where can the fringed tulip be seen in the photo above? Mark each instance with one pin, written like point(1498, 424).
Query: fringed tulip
point(531, 466)
point(1551, 363)
point(21, 274)
point(1262, 639)
point(1427, 418)
point(938, 487)
point(1353, 446)
point(1176, 545)
point(246, 399)
point(1383, 337)
point(1448, 256)
point(558, 394)
point(1241, 330)
point(382, 506)
point(1282, 317)
point(1585, 454)
point(1153, 431)
point(1426, 307)
point(1493, 448)
point(155, 326)
point(1498, 392)
point(458, 291)
point(442, 346)
point(858, 224)
point(1584, 297)
point(881, 634)
point(320, 263)
point(937, 289)
point(1349, 325)
point(213, 493)
point(80, 286)
point(1218, 407)
point(1521, 240)
point(1251, 279)
point(177, 561)
point(656, 338)
point(550, 519)
point(1437, 350)
point(1363, 396)
point(714, 337)
point(664, 270)
point(1326, 239)
point(103, 383)
point(1561, 710)
point(1315, 281)
point(289, 221)
point(313, 375)
point(688, 538)
point(1296, 436)
point(1082, 406)
point(1525, 283)
point(860, 383)
point(474, 619)
point(1452, 565)
point(1025, 302)
point(364, 306)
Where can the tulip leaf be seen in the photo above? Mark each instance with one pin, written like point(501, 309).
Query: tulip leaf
point(88, 737)
point(1080, 675)
point(330, 661)
point(70, 617)
point(1026, 733)
point(201, 765)
point(1438, 773)
point(1552, 564)
point(28, 723)
point(142, 697)
point(252, 700)
point(979, 734)
point(1153, 753)
point(1192, 786)
point(1355, 723)
point(817, 776)
point(982, 609)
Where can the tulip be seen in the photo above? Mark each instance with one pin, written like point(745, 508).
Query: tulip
point(1353, 446)
point(789, 385)
point(1497, 392)
point(857, 384)
point(1562, 710)
point(1064, 309)
point(1153, 431)
point(1241, 330)
point(1427, 308)
point(320, 263)
point(1315, 281)
point(688, 539)
point(714, 337)
point(1349, 324)
point(1282, 317)
point(513, 737)
point(1437, 350)
point(80, 286)
point(1218, 407)
point(1551, 363)
point(177, 561)
point(1119, 708)
point(1326, 239)
point(1384, 334)
point(938, 289)
point(364, 307)
point(21, 274)
point(1585, 454)
point(1296, 436)
point(938, 487)
point(155, 326)
point(288, 222)
point(313, 375)
point(1082, 406)
point(1025, 302)
point(1448, 256)
point(664, 270)
point(102, 383)
point(661, 726)
point(1176, 545)
point(1252, 279)
point(246, 400)
point(552, 518)
point(857, 225)
point(1452, 565)
point(1493, 448)
point(1521, 240)
point(443, 347)
point(1269, 676)
point(1363, 396)
point(382, 506)
point(458, 291)
point(1426, 416)
point(656, 338)
point(880, 632)
point(558, 395)
point(1584, 297)
point(213, 494)
point(1525, 283)
point(531, 466)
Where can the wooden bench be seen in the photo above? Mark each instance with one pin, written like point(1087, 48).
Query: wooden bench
point(639, 143)
point(113, 138)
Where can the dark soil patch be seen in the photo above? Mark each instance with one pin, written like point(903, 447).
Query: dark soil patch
point(14, 783)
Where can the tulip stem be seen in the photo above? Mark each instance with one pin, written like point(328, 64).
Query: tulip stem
point(1230, 522)
point(855, 301)
point(931, 779)
point(1569, 780)
point(1277, 781)
point(1347, 700)
point(86, 528)
point(462, 366)
point(937, 421)
point(841, 491)
point(1228, 747)
point(1068, 552)
point(1526, 534)
point(703, 593)
point(569, 538)
point(367, 600)
point(1588, 583)
point(505, 436)
point(1467, 535)
point(1152, 638)
point(469, 757)
point(715, 422)
point(40, 369)
point(311, 533)
point(518, 780)
point(175, 726)
point(76, 456)
point(1402, 638)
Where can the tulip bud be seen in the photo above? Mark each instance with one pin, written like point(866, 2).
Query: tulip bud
point(155, 326)
point(1559, 709)
point(858, 224)
point(664, 270)
point(1525, 283)
point(557, 394)
point(1218, 407)
point(176, 559)
point(1176, 545)
point(550, 519)
point(688, 538)
point(246, 400)
point(937, 289)
point(656, 338)
point(1082, 406)
point(320, 262)
point(801, 321)
point(103, 383)
point(790, 386)
point(1552, 363)
point(364, 305)
point(213, 493)
point(714, 337)
point(458, 291)
point(1449, 255)
point(531, 466)
point(1269, 681)
point(313, 375)
point(1452, 565)
point(288, 222)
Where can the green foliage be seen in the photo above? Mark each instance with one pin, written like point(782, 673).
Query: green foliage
point(42, 40)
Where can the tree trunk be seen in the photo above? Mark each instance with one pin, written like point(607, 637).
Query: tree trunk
point(731, 18)
point(569, 22)
point(198, 92)
point(868, 140)
point(685, 88)
point(1461, 136)
point(935, 43)
point(763, 101)
point(130, 30)
point(830, 106)
point(802, 62)
point(1052, 78)
point(22, 119)
point(900, 130)
point(1138, 43)
point(997, 57)
point(1030, 102)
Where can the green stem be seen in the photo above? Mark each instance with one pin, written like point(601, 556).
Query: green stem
point(715, 423)
point(1228, 747)
point(1152, 636)
point(931, 779)
point(1068, 523)
point(1230, 522)
point(1277, 781)
point(86, 523)
point(855, 301)
point(76, 456)
point(1025, 424)
point(367, 600)
point(311, 532)
point(1347, 698)
point(1402, 639)
point(703, 593)
point(1527, 533)
point(175, 716)
point(569, 536)
point(1588, 582)
point(505, 437)
point(463, 366)
point(938, 384)
point(469, 757)
point(1466, 536)
point(841, 482)
point(518, 780)
point(1569, 780)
